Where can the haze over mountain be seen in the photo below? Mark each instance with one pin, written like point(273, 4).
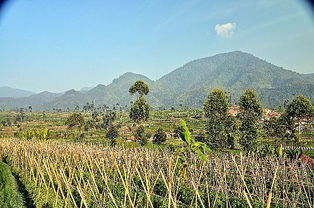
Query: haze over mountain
point(13, 92)
point(187, 85)
point(84, 89)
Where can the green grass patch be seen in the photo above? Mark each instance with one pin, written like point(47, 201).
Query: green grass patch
point(9, 194)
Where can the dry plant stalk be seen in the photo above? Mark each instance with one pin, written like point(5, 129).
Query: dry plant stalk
point(78, 175)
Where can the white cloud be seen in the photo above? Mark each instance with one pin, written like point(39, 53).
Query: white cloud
point(225, 30)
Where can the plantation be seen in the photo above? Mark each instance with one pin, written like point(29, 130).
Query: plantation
point(143, 157)
point(59, 174)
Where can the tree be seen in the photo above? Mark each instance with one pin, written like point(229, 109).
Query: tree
point(76, 119)
point(139, 87)
point(274, 127)
point(220, 124)
point(140, 108)
point(159, 136)
point(300, 107)
point(250, 113)
point(112, 134)
point(108, 118)
point(140, 135)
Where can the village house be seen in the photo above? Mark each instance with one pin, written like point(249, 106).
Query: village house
point(234, 110)
point(130, 139)
point(169, 134)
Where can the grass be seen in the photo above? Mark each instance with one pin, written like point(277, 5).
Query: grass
point(9, 194)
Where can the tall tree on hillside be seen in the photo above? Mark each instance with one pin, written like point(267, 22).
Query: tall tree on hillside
point(250, 112)
point(108, 118)
point(140, 108)
point(300, 107)
point(139, 87)
point(112, 134)
point(140, 135)
point(220, 124)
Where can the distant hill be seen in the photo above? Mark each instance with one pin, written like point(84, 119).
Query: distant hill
point(85, 89)
point(13, 92)
point(188, 85)
point(234, 72)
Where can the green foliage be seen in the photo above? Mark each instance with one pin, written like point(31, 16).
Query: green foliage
point(250, 113)
point(112, 134)
point(139, 110)
point(264, 150)
point(41, 134)
point(293, 153)
point(76, 119)
point(190, 144)
point(109, 118)
point(274, 127)
point(159, 136)
point(140, 135)
point(221, 126)
point(139, 87)
point(9, 194)
point(300, 107)
point(217, 104)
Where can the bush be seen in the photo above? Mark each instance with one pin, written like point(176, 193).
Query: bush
point(76, 119)
point(159, 137)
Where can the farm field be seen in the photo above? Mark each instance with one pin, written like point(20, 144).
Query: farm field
point(157, 104)
point(66, 169)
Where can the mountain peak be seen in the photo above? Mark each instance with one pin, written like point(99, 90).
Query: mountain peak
point(131, 77)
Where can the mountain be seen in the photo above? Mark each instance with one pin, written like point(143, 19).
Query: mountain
point(13, 92)
point(188, 85)
point(117, 91)
point(85, 89)
point(234, 72)
point(37, 101)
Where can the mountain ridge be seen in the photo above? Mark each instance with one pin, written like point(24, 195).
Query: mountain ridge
point(189, 84)
point(6, 91)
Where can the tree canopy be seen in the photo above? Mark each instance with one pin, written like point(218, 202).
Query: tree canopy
point(300, 107)
point(250, 113)
point(140, 108)
point(139, 87)
point(220, 124)
point(76, 119)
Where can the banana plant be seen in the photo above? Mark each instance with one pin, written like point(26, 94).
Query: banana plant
point(191, 145)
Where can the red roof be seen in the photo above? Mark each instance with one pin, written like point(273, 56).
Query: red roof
point(131, 138)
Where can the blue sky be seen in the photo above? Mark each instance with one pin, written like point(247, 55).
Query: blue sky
point(63, 44)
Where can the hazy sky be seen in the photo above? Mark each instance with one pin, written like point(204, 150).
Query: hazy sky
point(57, 45)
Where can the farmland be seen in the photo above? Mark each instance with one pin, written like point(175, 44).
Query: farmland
point(78, 167)
point(156, 104)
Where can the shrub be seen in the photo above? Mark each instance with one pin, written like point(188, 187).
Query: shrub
point(159, 137)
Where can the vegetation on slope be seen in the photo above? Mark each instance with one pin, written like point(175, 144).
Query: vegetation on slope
point(9, 194)
point(188, 85)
